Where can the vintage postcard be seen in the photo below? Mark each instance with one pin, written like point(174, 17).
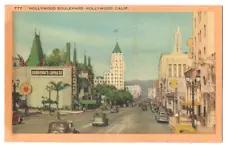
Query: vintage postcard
point(104, 73)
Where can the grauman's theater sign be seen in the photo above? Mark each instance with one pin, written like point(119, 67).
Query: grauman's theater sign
point(46, 73)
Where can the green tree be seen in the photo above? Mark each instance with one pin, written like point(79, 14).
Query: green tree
point(58, 87)
point(54, 59)
point(67, 55)
point(74, 56)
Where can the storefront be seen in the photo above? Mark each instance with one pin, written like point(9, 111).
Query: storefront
point(39, 78)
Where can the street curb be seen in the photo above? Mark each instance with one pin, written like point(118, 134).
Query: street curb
point(171, 126)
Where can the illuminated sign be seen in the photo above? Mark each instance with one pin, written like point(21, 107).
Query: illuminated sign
point(47, 73)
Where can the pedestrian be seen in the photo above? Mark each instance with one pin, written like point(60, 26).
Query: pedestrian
point(195, 121)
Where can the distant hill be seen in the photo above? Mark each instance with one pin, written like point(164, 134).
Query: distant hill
point(145, 84)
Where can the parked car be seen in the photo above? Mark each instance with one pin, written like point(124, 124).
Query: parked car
point(100, 119)
point(61, 126)
point(162, 117)
point(16, 118)
point(114, 109)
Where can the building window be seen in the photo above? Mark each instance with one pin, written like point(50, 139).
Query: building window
point(195, 22)
point(184, 67)
point(175, 70)
point(204, 30)
point(199, 55)
point(204, 80)
point(170, 70)
point(204, 51)
point(179, 69)
point(195, 41)
point(198, 37)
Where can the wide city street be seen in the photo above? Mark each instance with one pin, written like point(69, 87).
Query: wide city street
point(128, 120)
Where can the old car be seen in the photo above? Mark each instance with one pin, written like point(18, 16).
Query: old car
point(184, 128)
point(161, 117)
point(114, 109)
point(61, 126)
point(100, 119)
point(16, 118)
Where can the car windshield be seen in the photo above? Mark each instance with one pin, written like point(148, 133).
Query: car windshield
point(98, 119)
point(58, 126)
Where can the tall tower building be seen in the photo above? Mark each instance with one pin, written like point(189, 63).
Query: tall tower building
point(172, 66)
point(177, 39)
point(115, 76)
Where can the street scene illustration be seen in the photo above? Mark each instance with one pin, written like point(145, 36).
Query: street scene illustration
point(113, 73)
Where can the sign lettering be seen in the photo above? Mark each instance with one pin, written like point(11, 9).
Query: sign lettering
point(47, 73)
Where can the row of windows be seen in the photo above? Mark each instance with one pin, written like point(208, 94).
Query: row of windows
point(200, 35)
point(115, 75)
point(117, 70)
point(119, 78)
point(199, 38)
point(117, 60)
point(174, 67)
point(117, 64)
point(199, 17)
point(200, 53)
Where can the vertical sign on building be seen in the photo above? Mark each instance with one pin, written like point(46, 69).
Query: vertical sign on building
point(74, 82)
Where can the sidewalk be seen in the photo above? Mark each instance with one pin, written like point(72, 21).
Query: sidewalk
point(173, 121)
point(200, 128)
point(205, 129)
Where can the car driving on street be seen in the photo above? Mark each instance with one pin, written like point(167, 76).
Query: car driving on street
point(61, 126)
point(100, 119)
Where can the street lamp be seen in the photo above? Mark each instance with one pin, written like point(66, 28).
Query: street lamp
point(193, 83)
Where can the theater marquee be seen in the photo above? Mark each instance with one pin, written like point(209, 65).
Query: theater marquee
point(46, 73)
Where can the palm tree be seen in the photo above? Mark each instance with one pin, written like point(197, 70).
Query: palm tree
point(58, 87)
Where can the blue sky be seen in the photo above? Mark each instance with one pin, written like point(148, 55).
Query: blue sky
point(93, 33)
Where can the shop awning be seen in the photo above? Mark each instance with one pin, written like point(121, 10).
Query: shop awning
point(189, 103)
point(75, 102)
point(86, 102)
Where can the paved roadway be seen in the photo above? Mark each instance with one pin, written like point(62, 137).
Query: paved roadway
point(128, 120)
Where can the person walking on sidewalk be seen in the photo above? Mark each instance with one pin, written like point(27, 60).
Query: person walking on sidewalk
point(195, 121)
